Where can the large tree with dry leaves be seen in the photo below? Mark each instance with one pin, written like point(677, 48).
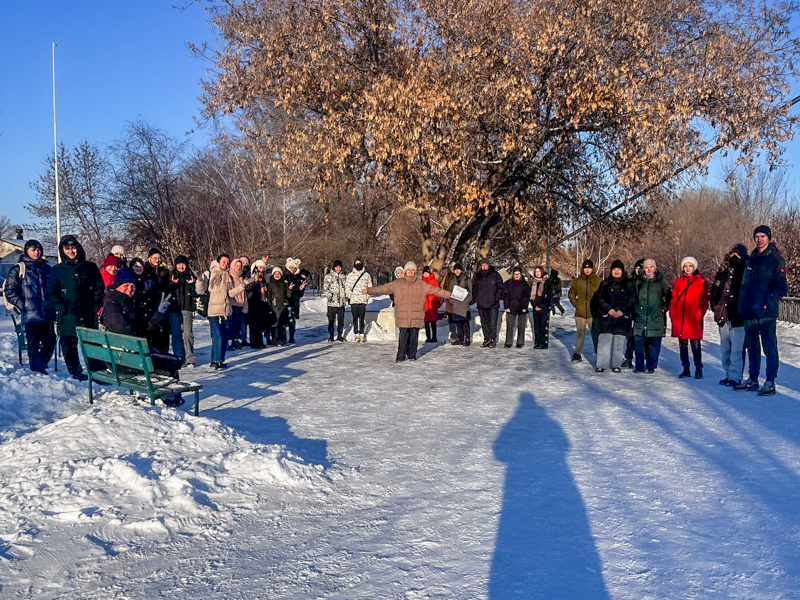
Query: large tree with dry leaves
point(531, 114)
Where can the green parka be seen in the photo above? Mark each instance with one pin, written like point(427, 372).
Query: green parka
point(652, 301)
point(581, 292)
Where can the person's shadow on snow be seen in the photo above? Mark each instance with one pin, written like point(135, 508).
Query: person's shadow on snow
point(544, 545)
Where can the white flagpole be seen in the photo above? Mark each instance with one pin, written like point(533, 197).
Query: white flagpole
point(55, 152)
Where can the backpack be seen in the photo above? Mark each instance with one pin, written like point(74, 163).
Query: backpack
point(4, 288)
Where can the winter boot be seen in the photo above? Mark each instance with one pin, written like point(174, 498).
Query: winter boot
point(576, 357)
point(749, 385)
point(698, 372)
point(626, 364)
point(768, 389)
point(685, 373)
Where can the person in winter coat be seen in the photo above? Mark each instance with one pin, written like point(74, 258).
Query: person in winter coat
point(724, 300)
point(686, 311)
point(581, 291)
point(27, 291)
point(146, 303)
point(299, 279)
point(432, 304)
point(157, 285)
point(458, 316)
point(221, 288)
point(335, 288)
point(279, 293)
point(554, 291)
point(652, 302)
point(399, 273)
point(239, 306)
point(119, 316)
point(409, 296)
point(630, 345)
point(111, 265)
point(763, 285)
point(540, 304)
point(260, 317)
point(617, 309)
point(182, 282)
point(516, 295)
point(76, 291)
point(487, 291)
point(356, 282)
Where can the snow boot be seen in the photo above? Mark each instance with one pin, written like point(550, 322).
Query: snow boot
point(749, 385)
point(768, 389)
point(599, 370)
point(698, 373)
point(626, 364)
point(685, 373)
point(616, 370)
point(576, 357)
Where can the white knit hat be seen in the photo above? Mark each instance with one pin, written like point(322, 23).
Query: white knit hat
point(648, 261)
point(117, 250)
point(399, 271)
point(410, 265)
point(690, 259)
point(277, 270)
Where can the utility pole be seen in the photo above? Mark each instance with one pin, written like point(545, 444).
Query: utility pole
point(55, 155)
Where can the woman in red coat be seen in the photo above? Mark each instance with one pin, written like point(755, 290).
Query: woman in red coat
point(432, 304)
point(686, 311)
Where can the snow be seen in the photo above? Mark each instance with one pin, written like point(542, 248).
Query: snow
point(325, 470)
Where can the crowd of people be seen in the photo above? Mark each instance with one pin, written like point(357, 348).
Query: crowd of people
point(259, 304)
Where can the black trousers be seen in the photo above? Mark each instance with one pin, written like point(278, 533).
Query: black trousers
point(430, 331)
point(407, 343)
point(69, 349)
point(540, 327)
point(488, 323)
point(334, 313)
point(518, 323)
point(281, 323)
point(697, 352)
point(41, 338)
point(359, 318)
point(291, 318)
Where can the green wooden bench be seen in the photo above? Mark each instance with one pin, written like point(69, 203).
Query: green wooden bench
point(133, 353)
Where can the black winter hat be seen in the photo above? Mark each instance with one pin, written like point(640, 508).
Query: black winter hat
point(33, 244)
point(517, 270)
point(124, 276)
point(181, 259)
point(739, 249)
point(763, 229)
point(588, 264)
point(337, 263)
point(458, 267)
point(618, 264)
point(154, 251)
point(639, 263)
point(426, 269)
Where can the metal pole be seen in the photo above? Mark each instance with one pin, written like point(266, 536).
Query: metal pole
point(55, 154)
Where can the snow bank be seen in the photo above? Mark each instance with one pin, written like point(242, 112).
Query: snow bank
point(132, 473)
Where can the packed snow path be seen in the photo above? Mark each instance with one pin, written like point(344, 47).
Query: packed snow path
point(328, 471)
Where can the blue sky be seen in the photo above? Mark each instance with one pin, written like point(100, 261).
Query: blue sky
point(116, 61)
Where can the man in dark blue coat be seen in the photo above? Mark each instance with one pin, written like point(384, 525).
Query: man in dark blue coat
point(487, 291)
point(763, 285)
point(28, 293)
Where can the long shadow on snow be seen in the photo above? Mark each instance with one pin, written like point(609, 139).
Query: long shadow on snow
point(778, 486)
point(544, 546)
point(265, 373)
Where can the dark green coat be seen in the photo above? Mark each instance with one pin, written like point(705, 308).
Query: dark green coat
point(76, 289)
point(652, 301)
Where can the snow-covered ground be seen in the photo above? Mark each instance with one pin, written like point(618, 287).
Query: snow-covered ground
point(328, 471)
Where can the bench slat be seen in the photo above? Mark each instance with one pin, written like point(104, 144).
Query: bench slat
point(95, 336)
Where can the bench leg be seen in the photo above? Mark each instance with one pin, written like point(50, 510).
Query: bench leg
point(152, 400)
point(197, 403)
point(91, 398)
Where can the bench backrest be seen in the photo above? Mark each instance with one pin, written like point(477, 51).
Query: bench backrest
point(116, 349)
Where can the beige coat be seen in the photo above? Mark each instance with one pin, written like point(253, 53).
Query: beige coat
point(409, 299)
point(221, 288)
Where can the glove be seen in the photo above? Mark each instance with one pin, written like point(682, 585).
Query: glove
point(164, 304)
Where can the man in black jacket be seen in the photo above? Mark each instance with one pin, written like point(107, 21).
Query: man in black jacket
point(76, 290)
point(181, 314)
point(487, 290)
point(517, 295)
point(27, 291)
point(725, 304)
point(763, 285)
point(157, 282)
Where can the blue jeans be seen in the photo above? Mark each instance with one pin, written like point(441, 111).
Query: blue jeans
point(763, 331)
point(234, 324)
point(219, 338)
point(647, 351)
point(176, 330)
